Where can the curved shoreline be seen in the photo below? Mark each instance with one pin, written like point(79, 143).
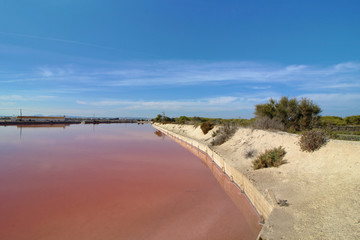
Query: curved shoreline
point(238, 197)
point(261, 205)
point(321, 187)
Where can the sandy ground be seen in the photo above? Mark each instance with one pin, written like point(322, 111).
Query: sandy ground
point(322, 188)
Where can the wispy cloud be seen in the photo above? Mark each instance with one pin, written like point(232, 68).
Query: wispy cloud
point(81, 102)
point(222, 100)
point(46, 71)
point(194, 73)
point(205, 86)
point(334, 98)
point(347, 66)
point(56, 40)
point(177, 73)
point(201, 104)
point(25, 98)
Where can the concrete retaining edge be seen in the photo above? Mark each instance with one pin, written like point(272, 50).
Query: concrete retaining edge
point(262, 206)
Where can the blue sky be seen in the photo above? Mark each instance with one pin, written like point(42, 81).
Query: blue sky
point(197, 58)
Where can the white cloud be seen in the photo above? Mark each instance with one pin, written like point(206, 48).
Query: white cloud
point(253, 83)
point(293, 68)
point(22, 98)
point(81, 102)
point(55, 72)
point(334, 98)
point(174, 73)
point(11, 98)
point(201, 104)
point(340, 85)
point(347, 66)
point(45, 72)
point(222, 100)
point(260, 87)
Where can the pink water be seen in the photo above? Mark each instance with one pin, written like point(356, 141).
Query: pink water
point(118, 181)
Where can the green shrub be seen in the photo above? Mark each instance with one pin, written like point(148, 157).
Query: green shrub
point(353, 120)
point(312, 140)
point(182, 120)
point(294, 114)
point(270, 158)
point(158, 118)
point(161, 118)
point(331, 121)
point(206, 127)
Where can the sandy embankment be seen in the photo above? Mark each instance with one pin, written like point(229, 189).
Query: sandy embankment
point(322, 188)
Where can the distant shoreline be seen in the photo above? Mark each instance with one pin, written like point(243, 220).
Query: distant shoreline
point(69, 122)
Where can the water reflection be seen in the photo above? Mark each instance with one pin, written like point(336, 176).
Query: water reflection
point(119, 183)
point(236, 195)
point(159, 134)
point(43, 126)
point(26, 126)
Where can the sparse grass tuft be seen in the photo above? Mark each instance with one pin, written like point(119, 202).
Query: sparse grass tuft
point(250, 153)
point(214, 133)
point(312, 140)
point(270, 158)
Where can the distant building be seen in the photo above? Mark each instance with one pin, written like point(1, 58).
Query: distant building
point(40, 119)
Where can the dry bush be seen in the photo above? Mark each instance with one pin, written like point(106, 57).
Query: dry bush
point(312, 140)
point(270, 158)
point(224, 133)
point(250, 153)
point(269, 123)
point(206, 127)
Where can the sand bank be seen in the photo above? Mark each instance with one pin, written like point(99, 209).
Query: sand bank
point(322, 188)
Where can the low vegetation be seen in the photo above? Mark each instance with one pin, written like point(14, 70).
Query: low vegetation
point(197, 121)
point(341, 128)
point(312, 140)
point(269, 123)
point(331, 121)
point(182, 120)
point(250, 153)
point(206, 126)
point(270, 158)
point(163, 119)
point(225, 132)
point(288, 114)
point(353, 120)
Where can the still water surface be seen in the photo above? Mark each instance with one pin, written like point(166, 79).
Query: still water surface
point(117, 181)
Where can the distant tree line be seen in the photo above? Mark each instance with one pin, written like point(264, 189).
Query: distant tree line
point(286, 114)
point(197, 121)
